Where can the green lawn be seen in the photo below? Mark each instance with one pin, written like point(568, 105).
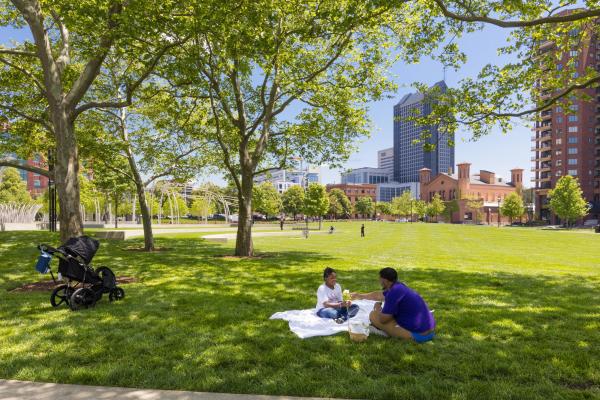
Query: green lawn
point(518, 314)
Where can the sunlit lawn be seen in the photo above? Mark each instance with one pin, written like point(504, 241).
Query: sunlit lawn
point(518, 314)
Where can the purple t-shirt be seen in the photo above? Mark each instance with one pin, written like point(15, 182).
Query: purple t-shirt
point(408, 308)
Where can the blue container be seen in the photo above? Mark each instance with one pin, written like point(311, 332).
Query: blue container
point(43, 263)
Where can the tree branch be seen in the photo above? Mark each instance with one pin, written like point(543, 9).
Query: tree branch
point(15, 52)
point(549, 102)
point(37, 120)
point(557, 19)
point(92, 68)
point(64, 57)
point(174, 165)
point(16, 164)
point(130, 89)
point(25, 72)
point(227, 158)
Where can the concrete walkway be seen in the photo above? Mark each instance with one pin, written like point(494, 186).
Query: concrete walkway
point(20, 390)
point(224, 237)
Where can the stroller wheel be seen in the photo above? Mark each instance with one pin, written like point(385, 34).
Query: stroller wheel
point(82, 298)
point(116, 294)
point(61, 294)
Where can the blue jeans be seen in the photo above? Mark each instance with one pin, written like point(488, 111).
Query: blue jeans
point(342, 312)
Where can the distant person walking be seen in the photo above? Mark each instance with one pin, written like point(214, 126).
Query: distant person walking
point(281, 223)
point(362, 230)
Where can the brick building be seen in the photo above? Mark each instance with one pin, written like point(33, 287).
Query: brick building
point(463, 187)
point(567, 139)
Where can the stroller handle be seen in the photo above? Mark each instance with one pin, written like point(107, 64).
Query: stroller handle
point(48, 249)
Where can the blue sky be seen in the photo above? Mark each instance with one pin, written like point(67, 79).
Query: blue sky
point(495, 152)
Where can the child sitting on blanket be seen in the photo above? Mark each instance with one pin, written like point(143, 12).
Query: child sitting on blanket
point(330, 303)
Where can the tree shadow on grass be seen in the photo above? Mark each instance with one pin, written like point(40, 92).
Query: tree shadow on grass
point(199, 322)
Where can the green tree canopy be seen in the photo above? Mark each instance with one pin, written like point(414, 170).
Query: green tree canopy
point(420, 208)
point(339, 204)
point(267, 200)
point(512, 206)
point(436, 206)
point(316, 201)
point(384, 207)
point(202, 207)
point(364, 206)
point(403, 204)
point(567, 201)
point(293, 200)
point(12, 188)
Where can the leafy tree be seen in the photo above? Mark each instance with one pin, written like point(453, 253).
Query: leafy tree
point(403, 204)
point(47, 82)
point(475, 205)
point(267, 200)
point(384, 208)
point(567, 201)
point(148, 143)
point(339, 204)
point(316, 201)
point(450, 208)
point(436, 206)
point(293, 200)
point(202, 207)
point(512, 206)
point(364, 206)
point(254, 63)
point(12, 188)
point(420, 208)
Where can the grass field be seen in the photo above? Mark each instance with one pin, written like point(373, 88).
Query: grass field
point(518, 313)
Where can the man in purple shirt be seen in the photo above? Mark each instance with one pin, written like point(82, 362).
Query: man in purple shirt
point(404, 314)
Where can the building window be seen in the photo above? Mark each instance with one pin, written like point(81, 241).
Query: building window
point(558, 109)
point(559, 141)
point(572, 161)
point(572, 118)
point(559, 172)
point(573, 129)
point(559, 119)
point(572, 150)
point(573, 53)
point(558, 152)
point(573, 139)
point(558, 163)
point(572, 172)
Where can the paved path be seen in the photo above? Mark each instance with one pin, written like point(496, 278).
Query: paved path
point(129, 233)
point(223, 237)
point(20, 390)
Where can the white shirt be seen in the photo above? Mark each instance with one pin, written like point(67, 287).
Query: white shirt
point(326, 294)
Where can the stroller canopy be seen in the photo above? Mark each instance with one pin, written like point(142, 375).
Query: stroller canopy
point(82, 246)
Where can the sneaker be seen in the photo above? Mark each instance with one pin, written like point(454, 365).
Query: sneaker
point(377, 331)
point(339, 320)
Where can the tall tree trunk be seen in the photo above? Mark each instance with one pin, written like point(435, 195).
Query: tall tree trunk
point(243, 244)
point(66, 172)
point(144, 209)
point(146, 219)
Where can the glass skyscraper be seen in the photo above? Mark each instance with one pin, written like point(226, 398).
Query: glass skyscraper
point(409, 157)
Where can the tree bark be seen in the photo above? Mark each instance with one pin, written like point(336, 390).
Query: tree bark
point(66, 171)
point(146, 219)
point(243, 244)
point(144, 209)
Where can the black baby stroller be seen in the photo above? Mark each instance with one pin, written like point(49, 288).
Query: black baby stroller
point(85, 286)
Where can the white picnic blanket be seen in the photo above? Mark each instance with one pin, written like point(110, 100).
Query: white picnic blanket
point(306, 323)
